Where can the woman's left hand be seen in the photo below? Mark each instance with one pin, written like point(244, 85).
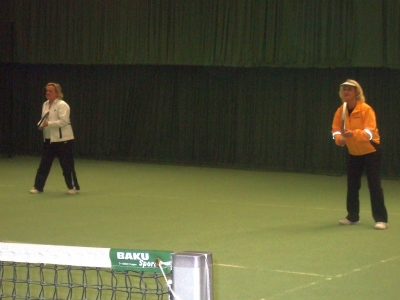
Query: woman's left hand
point(45, 124)
point(348, 133)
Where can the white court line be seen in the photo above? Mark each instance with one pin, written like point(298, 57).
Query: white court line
point(390, 259)
point(299, 206)
point(280, 205)
point(230, 266)
point(302, 287)
point(247, 203)
point(302, 273)
point(279, 271)
point(146, 196)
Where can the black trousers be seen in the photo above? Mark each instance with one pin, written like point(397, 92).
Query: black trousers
point(63, 151)
point(356, 165)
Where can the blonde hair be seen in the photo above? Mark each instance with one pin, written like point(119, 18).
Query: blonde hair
point(57, 88)
point(359, 91)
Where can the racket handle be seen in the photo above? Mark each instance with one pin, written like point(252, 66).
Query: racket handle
point(43, 119)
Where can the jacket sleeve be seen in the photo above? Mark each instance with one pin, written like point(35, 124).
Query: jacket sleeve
point(63, 111)
point(336, 126)
point(369, 126)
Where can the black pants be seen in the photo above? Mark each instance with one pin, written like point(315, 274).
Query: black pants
point(356, 165)
point(62, 150)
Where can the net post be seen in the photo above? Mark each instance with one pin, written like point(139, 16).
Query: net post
point(192, 275)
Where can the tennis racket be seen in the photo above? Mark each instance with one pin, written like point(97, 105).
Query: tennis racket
point(43, 119)
point(344, 115)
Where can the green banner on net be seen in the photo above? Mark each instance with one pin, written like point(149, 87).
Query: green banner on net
point(140, 260)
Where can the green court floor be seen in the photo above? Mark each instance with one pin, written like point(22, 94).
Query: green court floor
point(272, 235)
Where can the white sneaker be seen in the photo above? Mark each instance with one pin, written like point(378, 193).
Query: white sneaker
point(34, 191)
point(380, 225)
point(73, 192)
point(347, 222)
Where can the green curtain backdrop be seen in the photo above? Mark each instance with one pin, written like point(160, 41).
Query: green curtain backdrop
point(242, 33)
point(246, 83)
point(259, 118)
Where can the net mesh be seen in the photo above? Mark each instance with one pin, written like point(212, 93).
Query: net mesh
point(64, 272)
point(44, 281)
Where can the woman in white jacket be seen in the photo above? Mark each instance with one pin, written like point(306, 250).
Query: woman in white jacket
point(57, 141)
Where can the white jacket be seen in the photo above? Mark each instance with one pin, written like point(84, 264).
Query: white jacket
point(59, 127)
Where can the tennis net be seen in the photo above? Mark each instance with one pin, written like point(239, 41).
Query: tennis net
point(64, 272)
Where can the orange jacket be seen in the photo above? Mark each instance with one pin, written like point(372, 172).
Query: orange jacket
point(362, 122)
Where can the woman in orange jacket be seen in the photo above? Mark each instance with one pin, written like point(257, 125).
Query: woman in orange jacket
point(361, 137)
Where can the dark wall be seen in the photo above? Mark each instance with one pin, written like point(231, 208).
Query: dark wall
point(245, 84)
point(269, 118)
point(6, 96)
